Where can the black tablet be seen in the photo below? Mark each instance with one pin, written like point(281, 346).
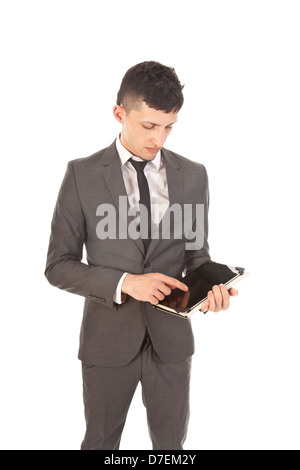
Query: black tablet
point(200, 282)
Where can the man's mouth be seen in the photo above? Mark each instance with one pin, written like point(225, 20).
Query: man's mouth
point(153, 149)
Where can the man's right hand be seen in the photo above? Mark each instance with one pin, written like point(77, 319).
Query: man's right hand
point(151, 287)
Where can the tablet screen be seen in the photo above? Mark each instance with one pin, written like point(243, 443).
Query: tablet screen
point(200, 282)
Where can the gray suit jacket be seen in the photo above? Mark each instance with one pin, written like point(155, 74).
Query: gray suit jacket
point(112, 334)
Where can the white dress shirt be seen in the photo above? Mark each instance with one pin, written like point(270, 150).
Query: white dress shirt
point(155, 173)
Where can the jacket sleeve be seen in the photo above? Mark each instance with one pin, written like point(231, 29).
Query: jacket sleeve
point(64, 267)
point(197, 253)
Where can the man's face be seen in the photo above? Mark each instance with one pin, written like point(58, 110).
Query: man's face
point(144, 131)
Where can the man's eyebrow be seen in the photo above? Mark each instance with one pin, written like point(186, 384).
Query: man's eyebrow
point(155, 124)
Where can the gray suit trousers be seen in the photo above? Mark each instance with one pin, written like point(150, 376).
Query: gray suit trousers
point(108, 392)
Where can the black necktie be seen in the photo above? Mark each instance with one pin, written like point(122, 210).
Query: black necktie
point(145, 200)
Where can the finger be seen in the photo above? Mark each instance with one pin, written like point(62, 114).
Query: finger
point(225, 297)
point(165, 289)
point(218, 298)
point(205, 306)
point(233, 292)
point(153, 300)
point(173, 283)
point(211, 299)
point(158, 294)
point(177, 285)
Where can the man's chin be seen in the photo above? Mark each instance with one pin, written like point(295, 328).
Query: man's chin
point(146, 158)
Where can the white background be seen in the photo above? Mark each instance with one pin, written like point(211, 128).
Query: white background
point(61, 66)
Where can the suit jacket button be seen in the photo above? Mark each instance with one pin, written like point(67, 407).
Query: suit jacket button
point(147, 265)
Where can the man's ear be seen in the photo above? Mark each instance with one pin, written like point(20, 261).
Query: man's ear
point(119, 113)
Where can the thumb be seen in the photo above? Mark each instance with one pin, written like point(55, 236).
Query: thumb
point(233, 292)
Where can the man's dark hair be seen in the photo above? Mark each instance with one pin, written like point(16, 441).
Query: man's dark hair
point(155, 84)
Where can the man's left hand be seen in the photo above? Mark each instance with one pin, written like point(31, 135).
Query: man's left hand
point(218, 299)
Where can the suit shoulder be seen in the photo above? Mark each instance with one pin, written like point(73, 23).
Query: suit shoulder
point(92, 161)
point(185, 162)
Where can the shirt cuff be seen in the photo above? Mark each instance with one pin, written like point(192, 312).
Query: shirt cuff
point(119, 298)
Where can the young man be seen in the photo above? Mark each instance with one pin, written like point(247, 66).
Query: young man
point(124, 340)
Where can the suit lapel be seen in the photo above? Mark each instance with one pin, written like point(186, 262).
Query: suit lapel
point(174, 178)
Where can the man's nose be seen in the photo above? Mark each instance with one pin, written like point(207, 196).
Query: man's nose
point(159, 138)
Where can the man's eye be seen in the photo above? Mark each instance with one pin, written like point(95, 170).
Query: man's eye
point(146, 127)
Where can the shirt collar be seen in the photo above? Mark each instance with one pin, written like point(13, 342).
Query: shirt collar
point(124, 155)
